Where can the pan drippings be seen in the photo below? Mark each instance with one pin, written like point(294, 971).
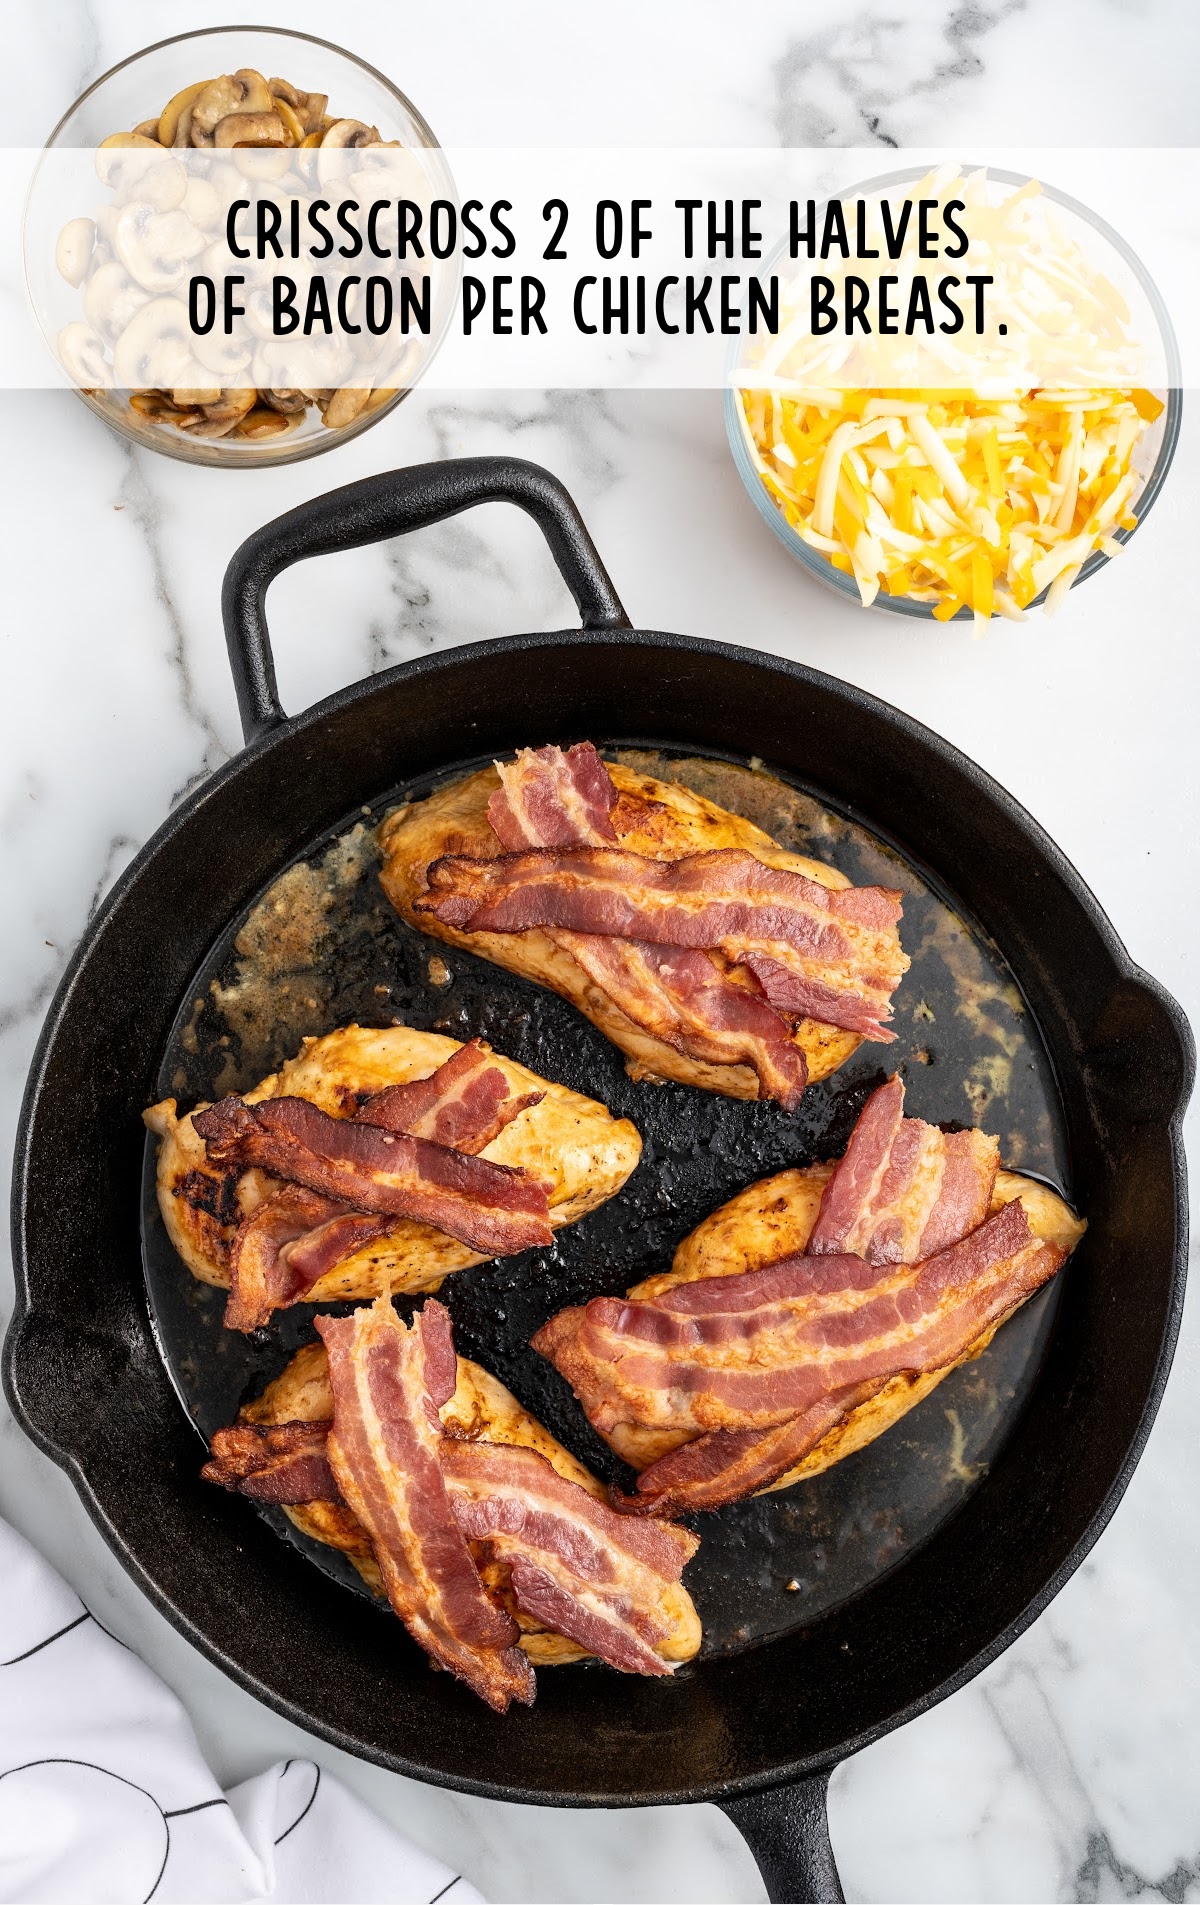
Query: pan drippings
point(322, 947)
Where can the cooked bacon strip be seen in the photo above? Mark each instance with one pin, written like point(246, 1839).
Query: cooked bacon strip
point(573, 1564)
point(261, 1279)
point(904, 1190)
point(464, 1104)
point(684, 999)
point(703, 899)
point(750, 1351)
point(728, 1464)
point(280, 1250)
point(388, 1383)
point(799, 995)
point(493, 1209)
point(549, 799)
point(279, 1462)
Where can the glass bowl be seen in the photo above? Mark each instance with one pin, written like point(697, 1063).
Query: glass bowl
point(1151, 457)
point(135, 91)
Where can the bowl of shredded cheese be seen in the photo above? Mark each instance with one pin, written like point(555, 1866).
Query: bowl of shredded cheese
point(962, 479)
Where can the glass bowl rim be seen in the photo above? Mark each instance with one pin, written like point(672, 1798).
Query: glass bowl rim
point(815, 561)
point(277, 32)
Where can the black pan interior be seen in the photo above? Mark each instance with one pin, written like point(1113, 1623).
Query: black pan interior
point(321, 947)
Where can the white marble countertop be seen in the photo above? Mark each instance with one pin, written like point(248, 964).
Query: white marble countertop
point(1071, 1768)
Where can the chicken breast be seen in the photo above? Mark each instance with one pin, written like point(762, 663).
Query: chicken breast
point(572, 1141)
point(480, 1408)
point(774, 1219)
point(661, 819)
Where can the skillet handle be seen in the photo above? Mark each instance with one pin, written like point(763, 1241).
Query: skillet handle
point(389, 505)
point(787, 1829)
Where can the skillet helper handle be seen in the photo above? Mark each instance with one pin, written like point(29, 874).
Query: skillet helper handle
point(374, 510)
point(787, 1829)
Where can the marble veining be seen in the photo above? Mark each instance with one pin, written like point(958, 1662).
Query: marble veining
point(1071, 1768)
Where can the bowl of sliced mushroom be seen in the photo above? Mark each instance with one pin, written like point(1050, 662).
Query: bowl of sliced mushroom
point(163, 134)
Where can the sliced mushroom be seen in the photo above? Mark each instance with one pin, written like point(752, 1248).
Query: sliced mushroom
point(121, 142)
point(112, 300)
point(154, 351)
point(123, 157)
point(155, 247)
point(283, 89)
point(378, 398)
point(195, 399)
point(290, 402)
point(344, 406)
point(220, 418)
point(261, 422)
point(203, 204)
point(350, 132)
point(243, 91)
point(73, 252)
point(222, 415)
point(81, 354)
point(231, 405)
point(157, 408)
point(250, 129)
point(262, 165)
point(314, 112)
point(301, 363)
point(293, 125)
point(223, 357)
point(171, 132)
point(163, 185)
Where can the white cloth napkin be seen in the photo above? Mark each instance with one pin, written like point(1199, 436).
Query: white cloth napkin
point(104, 1795)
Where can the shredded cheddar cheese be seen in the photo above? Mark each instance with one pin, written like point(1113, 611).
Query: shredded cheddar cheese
point(977, 496)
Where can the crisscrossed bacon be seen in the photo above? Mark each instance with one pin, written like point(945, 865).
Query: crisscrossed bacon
point(727, 1464)
point(684, 999)
point(486, 1205)
point(262, 1276)
point(573, 1565)
point(806, 943)
point(548, 799)
point(750, 1354)
point(464, 1104)
point(904, 1189)
point(295, 1236)
point(388, 1382)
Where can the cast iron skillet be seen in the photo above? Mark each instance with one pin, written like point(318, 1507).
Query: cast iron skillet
point(757, 1732)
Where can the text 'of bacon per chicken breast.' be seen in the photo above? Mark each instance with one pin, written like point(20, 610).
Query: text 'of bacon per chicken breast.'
point(811, 1312)
point(495, 1547)
point(378, 1161)
point(702, 949)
